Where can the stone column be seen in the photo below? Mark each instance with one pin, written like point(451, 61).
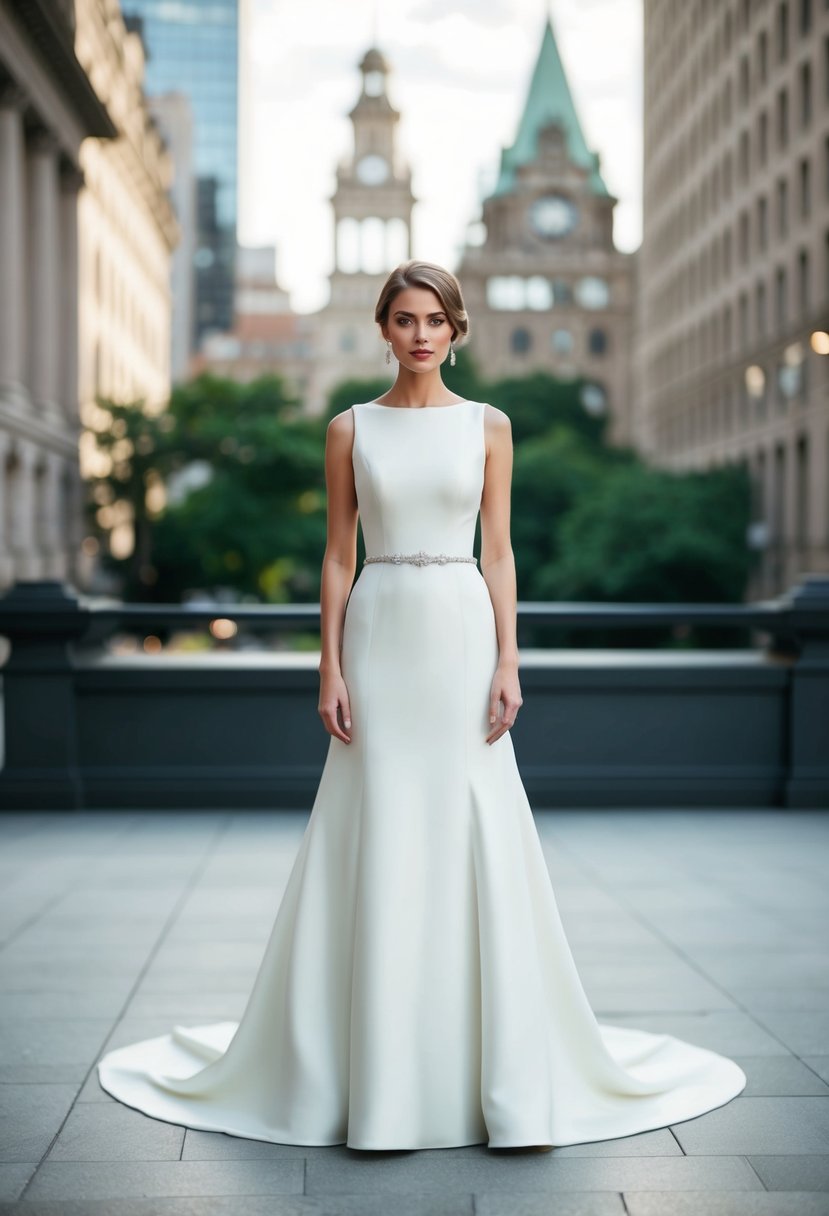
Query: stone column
point(6, 565)
point(71, 180)
point(22, 501)
point(54, 522)
point(12, 244)
point(44, 299)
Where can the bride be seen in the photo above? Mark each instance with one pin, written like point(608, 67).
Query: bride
point(417, 989)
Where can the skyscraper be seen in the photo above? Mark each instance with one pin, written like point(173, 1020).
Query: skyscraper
point(731, 362)
point(192, 48)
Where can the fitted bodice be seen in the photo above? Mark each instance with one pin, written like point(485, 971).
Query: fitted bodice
point(419, 475)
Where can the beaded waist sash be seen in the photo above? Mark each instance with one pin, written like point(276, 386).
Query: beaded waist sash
point(417, 559)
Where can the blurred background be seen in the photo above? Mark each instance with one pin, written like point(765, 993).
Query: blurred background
point(199, 202)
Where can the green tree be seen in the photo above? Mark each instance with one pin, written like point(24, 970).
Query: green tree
point(253, 521)
point(645, 534)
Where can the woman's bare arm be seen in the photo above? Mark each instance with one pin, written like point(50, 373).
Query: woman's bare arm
point(338, 567)
point(498, 567)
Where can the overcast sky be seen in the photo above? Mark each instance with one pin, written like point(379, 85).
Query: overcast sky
point(460, 73)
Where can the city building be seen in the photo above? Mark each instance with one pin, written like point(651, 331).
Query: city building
point(127, 231)
point(267, 336)
point(173, 115)
point(733, 304)
point(544, 284)
point(193, 48)
point(372, 211)
point(47, 109)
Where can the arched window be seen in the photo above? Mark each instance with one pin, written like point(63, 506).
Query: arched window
point(561, 341)
point(520, 341)
point(597, 342)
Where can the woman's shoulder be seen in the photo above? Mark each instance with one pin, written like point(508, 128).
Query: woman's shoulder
point(495, 419)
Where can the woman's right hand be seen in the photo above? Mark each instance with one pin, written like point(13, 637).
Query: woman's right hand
point(334, 698)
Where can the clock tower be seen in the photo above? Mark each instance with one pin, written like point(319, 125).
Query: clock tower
point(372, 206)
point(545, 287)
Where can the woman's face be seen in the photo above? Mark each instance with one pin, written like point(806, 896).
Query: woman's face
point(418, 322)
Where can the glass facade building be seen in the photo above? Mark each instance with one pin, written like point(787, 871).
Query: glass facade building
point(192, 47)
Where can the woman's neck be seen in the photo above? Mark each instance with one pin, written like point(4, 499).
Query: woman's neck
point(417, 392)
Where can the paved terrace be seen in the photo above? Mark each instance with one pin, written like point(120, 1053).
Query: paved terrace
point(710, 925)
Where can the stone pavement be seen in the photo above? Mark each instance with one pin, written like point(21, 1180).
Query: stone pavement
point(709, 925)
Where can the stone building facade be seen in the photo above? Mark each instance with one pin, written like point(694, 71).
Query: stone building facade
point(47, 109)
point(731, 355)
point(546, 289)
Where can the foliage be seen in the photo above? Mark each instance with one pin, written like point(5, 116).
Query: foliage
point(256, 527)
point(590, 521)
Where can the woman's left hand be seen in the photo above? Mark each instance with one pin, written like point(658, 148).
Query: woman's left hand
point(506, 691)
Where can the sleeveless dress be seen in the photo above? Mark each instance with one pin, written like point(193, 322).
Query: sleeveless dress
point(417, 989)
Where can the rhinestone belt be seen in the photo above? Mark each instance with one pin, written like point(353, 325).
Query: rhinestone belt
point(417, 559)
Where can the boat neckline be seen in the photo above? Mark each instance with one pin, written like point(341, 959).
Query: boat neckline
point(418, 409)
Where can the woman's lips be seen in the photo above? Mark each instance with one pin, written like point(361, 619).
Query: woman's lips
point(422, 354)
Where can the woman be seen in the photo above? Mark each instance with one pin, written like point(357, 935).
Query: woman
point(417, 989)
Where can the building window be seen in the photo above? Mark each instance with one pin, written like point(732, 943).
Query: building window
point(744, 80)
point(782, 118)
point(743, 310)
point(743, 161)
point(761, 320)
point(780, 309)
point(805, 17)
point(520, 341)
point(802, 521)
point(539, 293)
point(562, 292)
point(561, 341)
point(805, 94)
point(506, 292)
point(763, 137)
point(803, 293)
point(805, 188)
point(782, 207)
point(592, 292)
point(782, 32)
point(597, 342)
point(743, 237)
point(762, 223)
point(763, 56)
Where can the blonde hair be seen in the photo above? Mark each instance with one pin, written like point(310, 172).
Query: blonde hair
point(434, 278)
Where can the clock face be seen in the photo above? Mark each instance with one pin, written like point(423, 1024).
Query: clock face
point(372, 170)
point(553, 216)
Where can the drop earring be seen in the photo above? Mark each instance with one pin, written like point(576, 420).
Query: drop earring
point(451, 355)
point(388, 351)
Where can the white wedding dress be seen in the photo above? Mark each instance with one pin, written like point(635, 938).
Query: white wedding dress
point(417, 989)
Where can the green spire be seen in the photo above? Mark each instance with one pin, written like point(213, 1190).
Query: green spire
point(548, 100)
